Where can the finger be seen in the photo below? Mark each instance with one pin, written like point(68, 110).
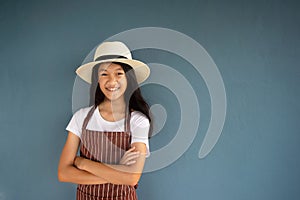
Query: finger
point(133, 155)
point(129, 158)
point(129, 150)
point(131, 162)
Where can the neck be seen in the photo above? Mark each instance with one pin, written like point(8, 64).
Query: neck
point(115, 106)
point(112, 110)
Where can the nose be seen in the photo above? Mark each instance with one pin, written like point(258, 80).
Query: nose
point(112, 79)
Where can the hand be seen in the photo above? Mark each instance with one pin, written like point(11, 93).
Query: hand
point(129, 157)
point(78, 162)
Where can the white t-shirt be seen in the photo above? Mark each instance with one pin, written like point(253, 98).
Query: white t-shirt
point(139, 125)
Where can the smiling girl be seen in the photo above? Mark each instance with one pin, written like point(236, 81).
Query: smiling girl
point(113, 133)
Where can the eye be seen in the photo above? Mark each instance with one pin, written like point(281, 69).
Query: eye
point(103, 74)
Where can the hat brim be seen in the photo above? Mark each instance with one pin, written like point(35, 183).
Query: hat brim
point(142, 71)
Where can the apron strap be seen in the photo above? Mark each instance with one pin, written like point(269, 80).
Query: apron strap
point(88, 117)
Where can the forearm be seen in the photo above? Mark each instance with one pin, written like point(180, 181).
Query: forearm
point(67, 172)
point(116, 174)
point(74, 175)
point(128, 172)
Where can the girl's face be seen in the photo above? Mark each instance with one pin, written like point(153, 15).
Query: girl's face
point(112, 81)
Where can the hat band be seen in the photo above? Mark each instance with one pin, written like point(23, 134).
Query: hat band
point(107, 57)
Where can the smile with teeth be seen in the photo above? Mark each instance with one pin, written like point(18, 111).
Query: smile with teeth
point(113, 89)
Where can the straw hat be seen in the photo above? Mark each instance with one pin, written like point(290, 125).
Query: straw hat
point(113, 52)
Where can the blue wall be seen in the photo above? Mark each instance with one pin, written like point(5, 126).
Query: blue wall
point(255, 45)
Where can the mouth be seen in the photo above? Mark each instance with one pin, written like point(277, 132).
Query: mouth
point(112, 89)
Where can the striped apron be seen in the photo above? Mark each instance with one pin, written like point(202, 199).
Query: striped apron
point(106, 147)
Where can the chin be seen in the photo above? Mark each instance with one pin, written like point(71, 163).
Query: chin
point(113, 98)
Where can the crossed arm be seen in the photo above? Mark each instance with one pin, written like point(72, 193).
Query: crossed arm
point(79, 170)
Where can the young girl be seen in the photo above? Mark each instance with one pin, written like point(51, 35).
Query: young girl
point(113, 133)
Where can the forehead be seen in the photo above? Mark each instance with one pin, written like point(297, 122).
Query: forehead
point(109, 67)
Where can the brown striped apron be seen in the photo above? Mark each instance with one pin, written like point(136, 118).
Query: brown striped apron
point(106, 147)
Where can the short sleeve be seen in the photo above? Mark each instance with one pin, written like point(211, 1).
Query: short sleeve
point(140, 129)
point(76, 122)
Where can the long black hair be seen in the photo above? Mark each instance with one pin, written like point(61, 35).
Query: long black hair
point(133, 96)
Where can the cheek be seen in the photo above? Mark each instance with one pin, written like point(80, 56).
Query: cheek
point(124, 81)
point(101, 84)
point(101, 80)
